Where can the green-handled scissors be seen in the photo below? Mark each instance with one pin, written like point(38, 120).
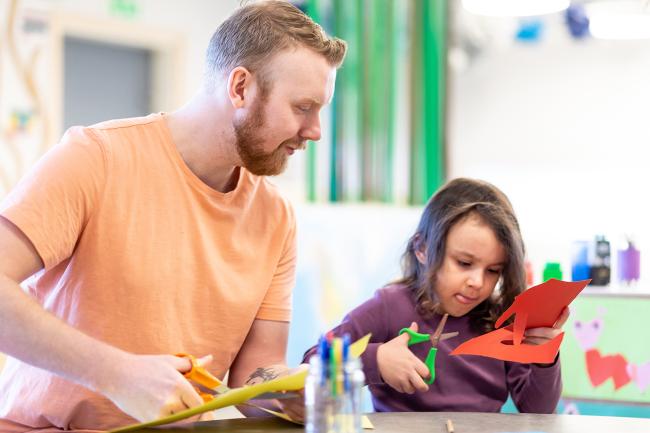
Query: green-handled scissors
point(438, 336)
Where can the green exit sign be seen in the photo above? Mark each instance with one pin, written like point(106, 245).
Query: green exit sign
point(124, 8)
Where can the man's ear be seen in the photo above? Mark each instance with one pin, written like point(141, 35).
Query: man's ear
point(239, 82)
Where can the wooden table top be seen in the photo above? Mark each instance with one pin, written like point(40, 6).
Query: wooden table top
point(434, 422)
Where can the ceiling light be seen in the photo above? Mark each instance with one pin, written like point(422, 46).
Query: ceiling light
point(619, 19)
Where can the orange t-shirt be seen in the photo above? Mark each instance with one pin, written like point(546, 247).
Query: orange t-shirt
point(143, 255)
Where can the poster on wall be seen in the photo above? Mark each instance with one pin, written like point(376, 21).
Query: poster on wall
point(605, 355)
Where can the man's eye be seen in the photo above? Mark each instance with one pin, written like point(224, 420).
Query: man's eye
point(303, 108)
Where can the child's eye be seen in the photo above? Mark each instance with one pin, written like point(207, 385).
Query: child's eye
point(303, 108)
point(494, 271)
point(464, 264)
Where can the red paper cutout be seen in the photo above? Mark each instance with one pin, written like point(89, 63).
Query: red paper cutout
point(539, 306)
point(492, 345)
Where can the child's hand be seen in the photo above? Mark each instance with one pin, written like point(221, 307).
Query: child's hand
point(539, 336)
point(399, 368)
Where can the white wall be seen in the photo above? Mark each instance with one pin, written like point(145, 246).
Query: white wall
point(563, 128)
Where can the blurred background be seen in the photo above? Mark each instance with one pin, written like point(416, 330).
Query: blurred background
point(547, 99)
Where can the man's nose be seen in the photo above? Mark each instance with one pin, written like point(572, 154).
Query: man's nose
point(311, 131)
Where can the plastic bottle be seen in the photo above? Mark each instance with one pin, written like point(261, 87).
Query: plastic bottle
point(580, 269)
point(600, 266)
point(328, 411)
point(629, 264)
point(552, 270)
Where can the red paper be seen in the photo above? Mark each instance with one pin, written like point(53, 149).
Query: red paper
point(539, 306)
point(498, 344)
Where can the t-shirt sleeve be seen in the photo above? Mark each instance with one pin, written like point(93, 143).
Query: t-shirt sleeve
point(53, 202)
point(277, 302)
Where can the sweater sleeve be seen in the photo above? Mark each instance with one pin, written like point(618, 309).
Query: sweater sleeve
point(368, 317)
point(534, 389)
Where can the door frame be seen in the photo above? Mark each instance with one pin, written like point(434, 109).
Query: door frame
point(167, 58)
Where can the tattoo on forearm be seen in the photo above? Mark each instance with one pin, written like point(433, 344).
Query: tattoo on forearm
point(262, 375)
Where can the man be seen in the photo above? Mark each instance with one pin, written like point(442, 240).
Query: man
point(152, 236)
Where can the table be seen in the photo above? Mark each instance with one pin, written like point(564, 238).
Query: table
point(434, 422)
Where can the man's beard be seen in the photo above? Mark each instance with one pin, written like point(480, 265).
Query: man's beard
point(250, 148)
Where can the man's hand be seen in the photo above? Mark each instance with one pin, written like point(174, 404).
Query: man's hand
point(149, 387)
point(145, 387)
point(399, 368)
point(294, 407)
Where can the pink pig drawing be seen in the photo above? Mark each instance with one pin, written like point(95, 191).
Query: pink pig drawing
point(588, 333)
point(599, 367)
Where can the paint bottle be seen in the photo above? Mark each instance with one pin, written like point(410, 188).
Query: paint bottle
point(629, 264)
point(580, 269)
point(552, 270)
point(600, 266)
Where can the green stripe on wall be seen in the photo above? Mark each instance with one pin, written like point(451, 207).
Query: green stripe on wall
point(428, 100)
point(434, 37)
point(313, 12)
point(417, 125)
point(391, 86)
point(336, 161)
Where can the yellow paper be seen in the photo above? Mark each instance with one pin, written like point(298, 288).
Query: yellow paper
point(235, 396)
point(284, 416)
point(365, 421)
point(358, 347)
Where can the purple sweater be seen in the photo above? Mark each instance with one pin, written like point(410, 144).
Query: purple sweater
point(465, 383)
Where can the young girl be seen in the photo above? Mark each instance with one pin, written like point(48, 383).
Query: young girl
point(466, 259)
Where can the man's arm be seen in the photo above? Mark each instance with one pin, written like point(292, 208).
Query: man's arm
point(144, 387)
point(263, 357)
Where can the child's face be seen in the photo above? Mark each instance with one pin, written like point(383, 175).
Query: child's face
point(473, 263)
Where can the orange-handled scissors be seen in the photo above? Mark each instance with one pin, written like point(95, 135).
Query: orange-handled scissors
point(204, 378)
point(210, 383)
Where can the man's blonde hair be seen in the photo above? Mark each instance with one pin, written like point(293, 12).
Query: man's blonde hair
point(254, 33)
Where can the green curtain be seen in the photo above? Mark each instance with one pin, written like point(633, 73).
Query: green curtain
point(362, 163)
point(428, 55)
